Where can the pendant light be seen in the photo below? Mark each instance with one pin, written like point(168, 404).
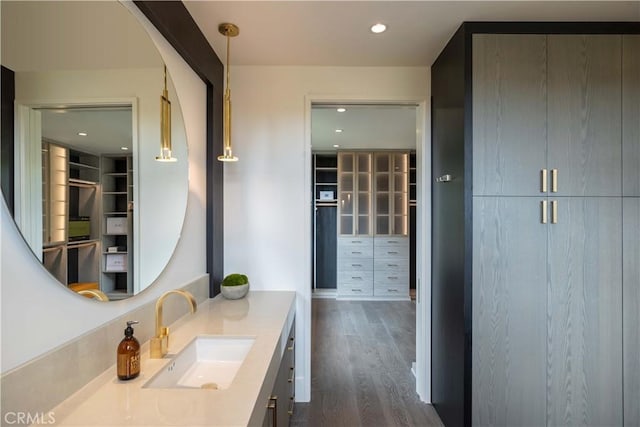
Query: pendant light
point(227, 30)
point(165, 125)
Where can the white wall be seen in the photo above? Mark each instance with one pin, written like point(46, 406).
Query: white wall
point(37, 313)
point(267, 193)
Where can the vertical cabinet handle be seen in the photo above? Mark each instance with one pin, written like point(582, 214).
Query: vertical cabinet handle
point(543, 180)
point(543, 206)
point(554, 212)
point(273, 407)
point(554, 180)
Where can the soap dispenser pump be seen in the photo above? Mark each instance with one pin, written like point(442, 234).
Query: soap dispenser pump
point(129, 354)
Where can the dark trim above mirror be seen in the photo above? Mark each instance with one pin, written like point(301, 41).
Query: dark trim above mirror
point(7, 154)
point(175, 23)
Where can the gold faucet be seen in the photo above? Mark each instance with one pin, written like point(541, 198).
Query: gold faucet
point(160, 343)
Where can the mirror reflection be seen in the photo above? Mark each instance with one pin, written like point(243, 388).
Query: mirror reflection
point(95, 207)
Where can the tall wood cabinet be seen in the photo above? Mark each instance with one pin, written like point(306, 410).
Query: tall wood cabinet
point(528, 205)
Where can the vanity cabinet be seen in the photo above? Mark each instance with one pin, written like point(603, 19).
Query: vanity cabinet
point(533, 294)
point(282, 400)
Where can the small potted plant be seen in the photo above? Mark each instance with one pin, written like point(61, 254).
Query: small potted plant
point(234, 286)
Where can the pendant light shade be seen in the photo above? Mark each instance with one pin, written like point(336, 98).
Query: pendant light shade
point(165, 125)
point(227, 30)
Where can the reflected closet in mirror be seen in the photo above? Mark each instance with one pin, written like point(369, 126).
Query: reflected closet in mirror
point(88, 196)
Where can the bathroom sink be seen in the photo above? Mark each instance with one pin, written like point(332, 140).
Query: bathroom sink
point(208, 361)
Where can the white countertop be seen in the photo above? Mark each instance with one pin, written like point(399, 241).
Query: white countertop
point(265, 315)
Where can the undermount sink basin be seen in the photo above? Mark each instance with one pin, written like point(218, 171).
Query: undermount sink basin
point(209, 361)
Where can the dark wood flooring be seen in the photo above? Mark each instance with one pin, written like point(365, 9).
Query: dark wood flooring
point(361, 355)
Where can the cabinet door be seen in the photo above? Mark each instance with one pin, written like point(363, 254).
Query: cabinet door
point(584, 112)
point(631, 311)
point(509, 312)
point(354, 198)
point(585, 304)
point(509, 113)
point(631, 115)
point(326, 247)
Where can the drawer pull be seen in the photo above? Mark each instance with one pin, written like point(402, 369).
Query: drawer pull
point(356, 253)
point(392, 253)
point(445, 178)
point(291, 377)
point(392, 290)
point(392, 265)
point(273, 407)
point(356, 277)
point(356, 290)
point(292, 401)
point(356, 265)
point(392, 277)
point(392, 241)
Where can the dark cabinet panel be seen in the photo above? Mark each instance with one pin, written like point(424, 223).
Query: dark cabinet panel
point(326, 244)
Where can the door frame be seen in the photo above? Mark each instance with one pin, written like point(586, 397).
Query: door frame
point(422, 369)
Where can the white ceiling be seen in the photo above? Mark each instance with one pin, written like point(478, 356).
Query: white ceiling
point(363, 126)
point(108, 129)
point(337, 32)
point(320, 33)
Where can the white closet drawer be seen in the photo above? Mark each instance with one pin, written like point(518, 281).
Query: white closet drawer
point(391, 279)
point(391, 266)
point(391, 252)
point(355, 276)
point(355, 289)
point(391, 241)
point(391, 290)
point(355, 241)
point(355, 252)
point(355, 264)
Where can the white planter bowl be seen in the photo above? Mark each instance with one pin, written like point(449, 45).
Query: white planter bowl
point(234, 292)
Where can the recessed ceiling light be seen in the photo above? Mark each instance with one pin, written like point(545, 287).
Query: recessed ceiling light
point(124, 148)
point(336, 146)
point(378, 28)
point(338, 130)
point(82, 133)
point(341, 110)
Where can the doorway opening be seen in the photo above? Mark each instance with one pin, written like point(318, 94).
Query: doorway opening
point(366, 172)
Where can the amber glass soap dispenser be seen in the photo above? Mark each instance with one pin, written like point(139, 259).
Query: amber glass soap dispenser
point(129, 354)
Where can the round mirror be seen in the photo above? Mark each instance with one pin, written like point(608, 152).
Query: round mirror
point(99, 210)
